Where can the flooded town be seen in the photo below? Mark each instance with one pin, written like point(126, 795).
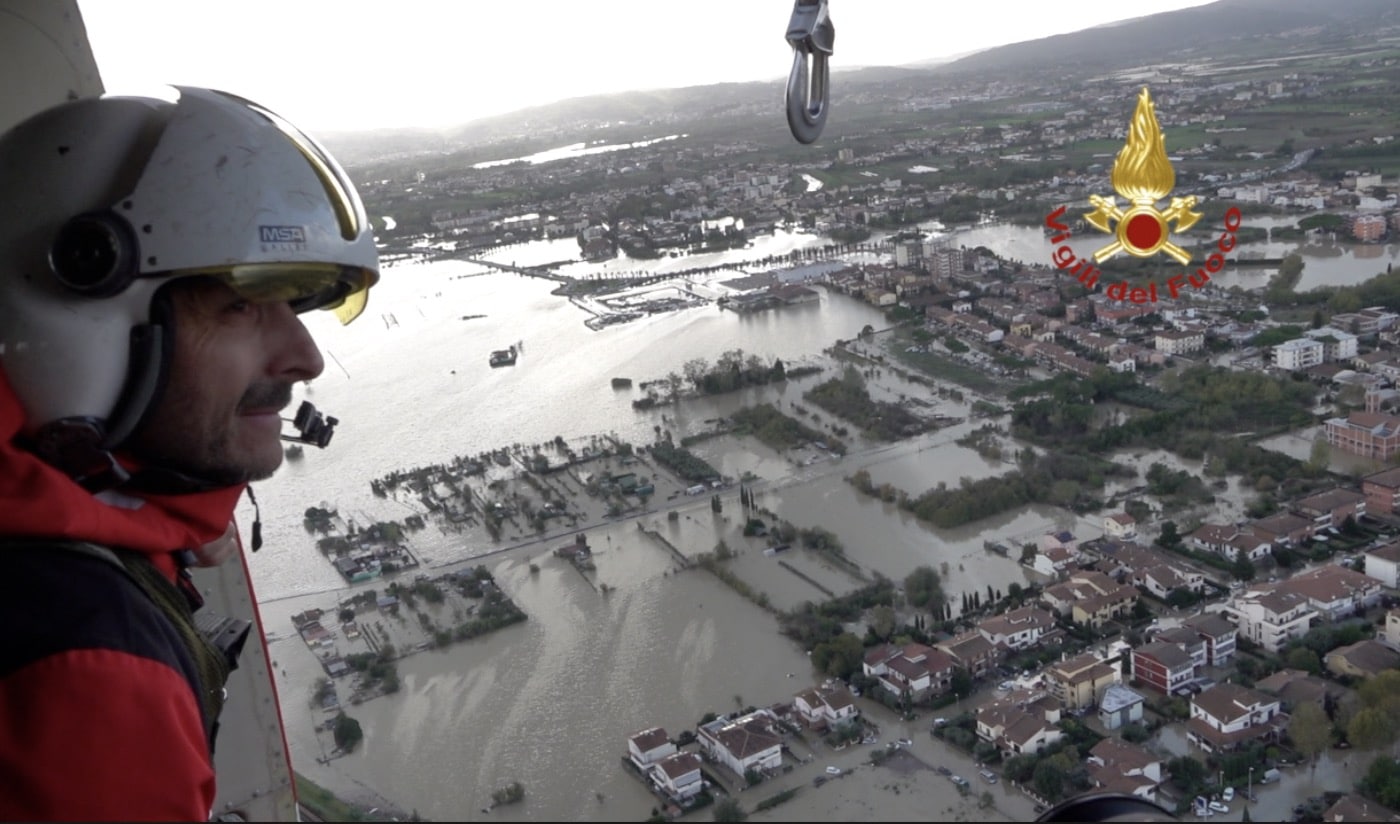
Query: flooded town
point(810, 516)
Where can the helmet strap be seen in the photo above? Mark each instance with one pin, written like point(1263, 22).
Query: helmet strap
point(151, 347)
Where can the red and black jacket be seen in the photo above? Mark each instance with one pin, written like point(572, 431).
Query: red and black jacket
point(99, 715)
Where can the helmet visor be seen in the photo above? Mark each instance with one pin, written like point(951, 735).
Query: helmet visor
point(304, 286)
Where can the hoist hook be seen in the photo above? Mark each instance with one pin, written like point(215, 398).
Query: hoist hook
point(808, 91)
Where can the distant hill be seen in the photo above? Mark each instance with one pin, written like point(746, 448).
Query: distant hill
point(1233, 28)
point(1173, 34)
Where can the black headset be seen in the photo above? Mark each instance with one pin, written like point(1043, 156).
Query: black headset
point(95, 254)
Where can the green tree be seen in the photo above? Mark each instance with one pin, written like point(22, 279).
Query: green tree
point(1377, 720)
point(923, 589)
point(1310, 730)
point(1169, 539)
point(1304, 659)
point(1242, 568)
point(1187, 773)
point(1382, 782)
point(1049, 780)
point(728, 809)
point(347, 732)
point(1320, 455)
point(840, 657)
point(882, 621)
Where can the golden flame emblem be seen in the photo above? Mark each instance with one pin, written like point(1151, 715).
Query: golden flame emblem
point(1142, 174)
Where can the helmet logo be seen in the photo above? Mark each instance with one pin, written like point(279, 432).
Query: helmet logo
point(282, 238)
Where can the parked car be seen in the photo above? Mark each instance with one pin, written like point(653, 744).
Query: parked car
point(833, 770)
point(959, 780)
point(1219, 807)
point(988, 776)
point(942, 770)
point(1228, 794)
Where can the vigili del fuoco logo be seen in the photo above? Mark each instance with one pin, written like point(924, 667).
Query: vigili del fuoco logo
point(1143, 176)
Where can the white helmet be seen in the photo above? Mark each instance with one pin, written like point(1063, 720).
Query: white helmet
point(105, 200)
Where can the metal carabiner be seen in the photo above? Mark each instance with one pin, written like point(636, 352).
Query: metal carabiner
point(808, 91)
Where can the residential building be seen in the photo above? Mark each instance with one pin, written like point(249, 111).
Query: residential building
point(1054, 561)
point(678, 776)
point(1269, 617)
point(913, 671)
point(1120, 525)
point(1180, 342)
point(1017, 629)
point(1114, 765)
point(1368, 434)
point(1163, 667)
point(1334, 591)
point(1364, 659)
point(1163, 579)
point(1283, 529)
point(1184, 639)
point(972, 652)
point(1368, 228)
point(1227, 716)
point(1119, 705)
point(1299, 353)
point(648, 747)
point(1353, 807)
point(1023, 723)
point(1295, 687)
point(1227, 541)
point(1081, 585)
point(826, 706)
point(1366, 322)
point(1383, 564)
point(1056, 553)
point(1382, 491)
point(1150, 568)
point(750, 742)
point(1336, 344)
point(1219, 635)
point(1078, 682)
point(1331, 508)
point(1390, 633)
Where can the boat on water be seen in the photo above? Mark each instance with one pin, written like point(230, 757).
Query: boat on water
point(503, 357)
point(621, 383)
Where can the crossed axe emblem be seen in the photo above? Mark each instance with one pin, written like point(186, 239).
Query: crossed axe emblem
point(1142, 230)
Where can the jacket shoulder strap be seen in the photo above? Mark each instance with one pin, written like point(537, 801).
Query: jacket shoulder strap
point(213, 662)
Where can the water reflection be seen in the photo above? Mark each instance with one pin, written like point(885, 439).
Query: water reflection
point(573, 150)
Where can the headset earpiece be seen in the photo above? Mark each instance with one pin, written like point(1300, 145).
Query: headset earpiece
point(95, 254)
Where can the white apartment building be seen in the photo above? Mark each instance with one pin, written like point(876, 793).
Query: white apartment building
point(1270, 618)
point(1336, 344)
point(1299, 354)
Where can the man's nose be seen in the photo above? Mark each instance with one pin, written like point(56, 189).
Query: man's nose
point(296, 357)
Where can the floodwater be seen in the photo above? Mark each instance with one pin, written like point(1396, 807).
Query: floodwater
point(551, 702)
point(1334, 770)
point(1327, 261)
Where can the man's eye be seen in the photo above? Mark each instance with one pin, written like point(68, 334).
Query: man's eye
point(240, 307)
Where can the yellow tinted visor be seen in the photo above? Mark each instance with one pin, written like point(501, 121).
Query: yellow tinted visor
point(305, 286)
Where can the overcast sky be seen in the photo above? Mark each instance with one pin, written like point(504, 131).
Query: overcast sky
point(353, 64)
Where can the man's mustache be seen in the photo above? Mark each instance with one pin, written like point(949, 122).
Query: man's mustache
point(266, 396)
